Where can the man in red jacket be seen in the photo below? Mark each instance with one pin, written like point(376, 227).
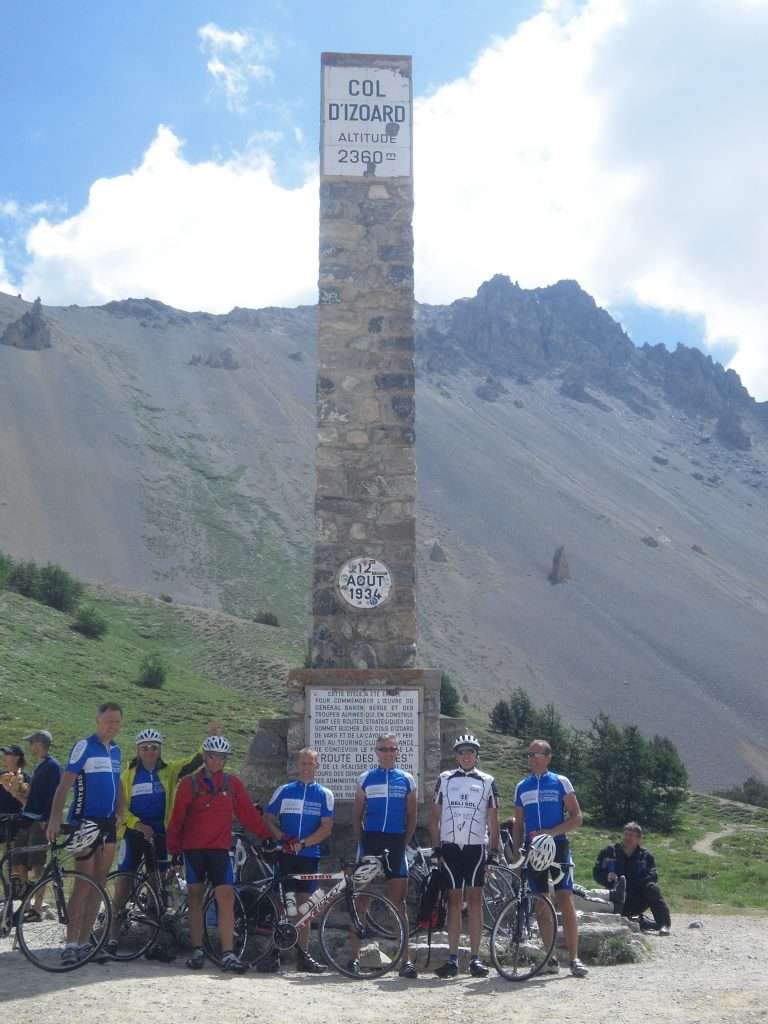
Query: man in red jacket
point(201, 829)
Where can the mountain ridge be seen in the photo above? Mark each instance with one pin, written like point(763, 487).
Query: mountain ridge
point(133, 452)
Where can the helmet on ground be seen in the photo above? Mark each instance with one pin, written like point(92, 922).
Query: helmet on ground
point(542, 853)
point(149, 736)
point(85, 838)
point(467, 741)
point(368, 869)
point(217, 745)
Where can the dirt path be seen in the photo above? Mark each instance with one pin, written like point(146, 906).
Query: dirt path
point(706, 843)
point(697, 976)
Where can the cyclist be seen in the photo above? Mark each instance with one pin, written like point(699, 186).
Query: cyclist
point(384, 818)
point(149, 786)
point(93, 775)
point(303, 812)
point(549, 805)
point(200, 828)
point(37, 807)
point(465, 810)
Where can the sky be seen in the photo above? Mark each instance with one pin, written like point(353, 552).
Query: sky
point(170, 150)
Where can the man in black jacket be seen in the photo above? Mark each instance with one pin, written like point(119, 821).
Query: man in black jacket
point(629, 859)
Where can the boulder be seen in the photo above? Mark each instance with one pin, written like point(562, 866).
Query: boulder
point(560, 571)
point(436, 553)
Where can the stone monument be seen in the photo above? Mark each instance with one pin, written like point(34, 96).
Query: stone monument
point(363, 677)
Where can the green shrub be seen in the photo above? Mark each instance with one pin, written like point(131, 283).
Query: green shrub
point(23, 578)
point(58, 589)
point(90, 622)
point(6, 564)
point(617, 949)
point(266, 618)
point(152, 672)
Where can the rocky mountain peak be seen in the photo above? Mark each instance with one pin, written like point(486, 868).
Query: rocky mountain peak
point(30, 331)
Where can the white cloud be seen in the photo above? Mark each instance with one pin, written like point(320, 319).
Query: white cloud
point(619, 142)
point(199, 236)
point(9, 208)
point(235, 60)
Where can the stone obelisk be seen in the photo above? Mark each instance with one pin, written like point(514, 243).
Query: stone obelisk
point(363, 677)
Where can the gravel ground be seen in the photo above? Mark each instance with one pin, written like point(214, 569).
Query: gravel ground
point(716, 973)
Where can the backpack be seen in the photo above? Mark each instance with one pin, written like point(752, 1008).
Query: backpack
point(433, 905)
point(197, 787)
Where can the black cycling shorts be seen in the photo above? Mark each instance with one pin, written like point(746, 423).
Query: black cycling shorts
point(378, 842)
point(464, 865)
point(297, 864)
point(214, 866)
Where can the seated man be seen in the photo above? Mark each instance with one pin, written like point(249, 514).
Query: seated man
point(630, 860)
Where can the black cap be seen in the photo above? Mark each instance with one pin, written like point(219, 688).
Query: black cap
point(14, 749)
point(40, 734)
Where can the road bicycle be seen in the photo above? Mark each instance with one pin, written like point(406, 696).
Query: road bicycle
point(62, 938)
point(524, 931)
point(360, 931)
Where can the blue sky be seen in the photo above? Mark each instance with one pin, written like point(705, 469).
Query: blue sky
point(170, 150)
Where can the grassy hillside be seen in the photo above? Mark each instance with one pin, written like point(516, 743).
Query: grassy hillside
point(733, 876)
point(219, 666)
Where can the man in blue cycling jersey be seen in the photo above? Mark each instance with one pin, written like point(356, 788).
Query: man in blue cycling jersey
point(547, 803)
point(384, 818)
point(303, 811)
point(93, 775)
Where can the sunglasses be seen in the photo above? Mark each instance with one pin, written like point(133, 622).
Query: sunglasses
point(146, 747)
point(387, 750)
point(536, 753)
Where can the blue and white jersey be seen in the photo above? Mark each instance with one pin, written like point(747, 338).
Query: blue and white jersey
point(299, 806)
point(542, 799)
point(386, 793)
point(465, 799)
point(97, 785)
point(148, 798)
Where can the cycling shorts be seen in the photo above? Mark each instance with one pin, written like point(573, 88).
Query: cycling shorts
point(214, 866)
point(378, 842)
point(463, 865)
point(132, 847)
point(538, 881)
point(297, 864)
point(107, 833)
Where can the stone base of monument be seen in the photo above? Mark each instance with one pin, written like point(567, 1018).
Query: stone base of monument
point(597, 929)
point(340, 712)
point(596, 902)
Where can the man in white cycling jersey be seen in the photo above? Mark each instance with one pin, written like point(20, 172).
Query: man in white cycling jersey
point(465, 810)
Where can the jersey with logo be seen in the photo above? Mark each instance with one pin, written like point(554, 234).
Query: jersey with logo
point(148, 798)
point(97, 766)
point(542, 799)
point(386, 793)
point(465, 798)
point(299, 806)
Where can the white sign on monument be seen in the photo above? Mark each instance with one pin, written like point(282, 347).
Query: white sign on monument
point(365, 582)
point(344, 724)
point(366, 120)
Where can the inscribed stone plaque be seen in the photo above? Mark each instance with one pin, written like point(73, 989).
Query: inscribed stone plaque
point(366, 117)
point(343, 727)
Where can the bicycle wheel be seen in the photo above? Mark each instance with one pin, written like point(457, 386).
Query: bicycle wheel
point(76, 929)
point(498, 890)
point(523, 937)
point(211, 933)
point(262, 915)
point(135, 915)
point(346, 935)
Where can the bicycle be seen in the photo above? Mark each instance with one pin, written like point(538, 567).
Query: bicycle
point(525, 930)
point(58, 941)
point(361, 933)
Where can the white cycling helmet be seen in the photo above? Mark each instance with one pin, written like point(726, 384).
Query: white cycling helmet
point(85, 838)
point(217, 745)
point(149, 736)
point(467, 741)
point(542, 853)
point(368, 868)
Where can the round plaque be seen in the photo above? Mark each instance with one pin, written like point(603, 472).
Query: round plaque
point(365, 582)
